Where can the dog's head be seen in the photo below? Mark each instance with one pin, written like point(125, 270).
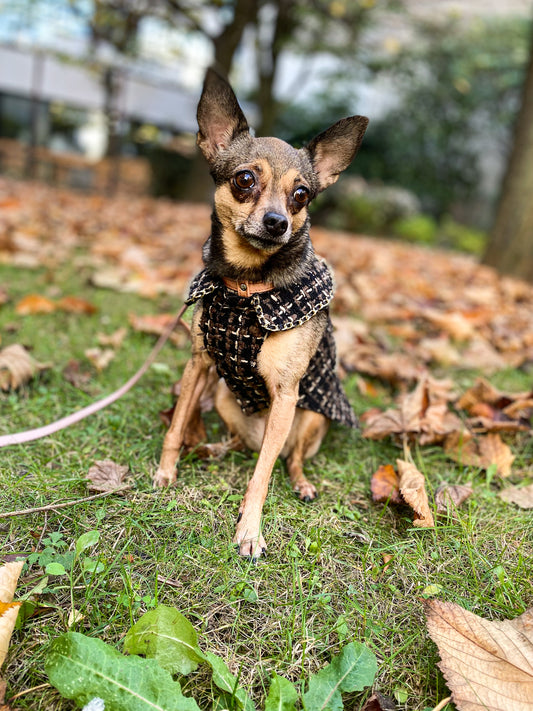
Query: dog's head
point(264, 185)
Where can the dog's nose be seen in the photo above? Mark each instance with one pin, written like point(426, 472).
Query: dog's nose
point(275, 223)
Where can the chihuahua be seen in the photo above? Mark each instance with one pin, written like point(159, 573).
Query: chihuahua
point(261, 314)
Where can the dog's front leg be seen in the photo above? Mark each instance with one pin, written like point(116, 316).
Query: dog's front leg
point(193, 383)
point(280, 417)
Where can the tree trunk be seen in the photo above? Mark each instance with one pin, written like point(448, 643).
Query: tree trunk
point(510, 248)
point(199, 186)
point(268, 64)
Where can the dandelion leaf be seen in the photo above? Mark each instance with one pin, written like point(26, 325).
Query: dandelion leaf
point(282, 695)
point(166, 635)
point(82, 668)
point(351, 670)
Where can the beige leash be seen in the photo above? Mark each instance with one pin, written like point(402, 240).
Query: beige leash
point(46, 430)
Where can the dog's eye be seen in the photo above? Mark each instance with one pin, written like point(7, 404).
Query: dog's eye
point(300, 195)
point(244, 180)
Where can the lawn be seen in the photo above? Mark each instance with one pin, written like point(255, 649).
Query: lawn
point(341, 568)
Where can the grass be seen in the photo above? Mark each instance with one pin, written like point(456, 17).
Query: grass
point(324, 580)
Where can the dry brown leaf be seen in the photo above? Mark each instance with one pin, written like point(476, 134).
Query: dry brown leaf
point(106, 475)
point(9, 575)
point(76, 305)
point(157, 324)
point(422, 414)
point(487, 665)
point(100, 357)
point(384, 485)
point(520, 495)
point(76, 375)
point(17, 367)
point(413, 490)
point(35, 304)
point(450, 496)
point(378, 702)
point(114, 339)
point(493, 451)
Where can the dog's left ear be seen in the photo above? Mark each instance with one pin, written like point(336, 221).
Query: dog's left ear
point(333, 150)
point(220, 118)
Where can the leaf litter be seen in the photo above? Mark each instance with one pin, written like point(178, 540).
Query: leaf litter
point(440, 309)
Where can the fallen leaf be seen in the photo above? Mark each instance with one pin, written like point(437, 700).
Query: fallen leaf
point(9, 575)
point(76, 305)
point(413, 490)
point(75, 375)
point(494, 451)
point(422, 414)
point(157, 324)
point(106, 475)
point(35, 304)
point(114, 339)
point(384, 485)
point(487, 665)
point(17, 367)
point(378, 702)
point(520, 495)
point(100, 357)
point(450, 496)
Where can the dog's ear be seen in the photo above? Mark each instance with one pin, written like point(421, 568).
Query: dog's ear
point(333, 150)
point(220, 118)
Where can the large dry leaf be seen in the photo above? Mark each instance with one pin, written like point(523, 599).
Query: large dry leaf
point(422, 414)
point(9, 575)
point(413, 491)
point(520, 495)
point(488, 666)
point(484, 451)
point(17, 367)
point(493, 451)
point(106, 475)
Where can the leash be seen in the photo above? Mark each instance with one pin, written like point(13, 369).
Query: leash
point(61, 424)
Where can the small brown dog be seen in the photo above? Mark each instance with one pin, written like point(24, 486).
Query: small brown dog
point(261, 314)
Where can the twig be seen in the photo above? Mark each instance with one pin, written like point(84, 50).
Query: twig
point(52, 507)
point(442, 704)
point(27, 691)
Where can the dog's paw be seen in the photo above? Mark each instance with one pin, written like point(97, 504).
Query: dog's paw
point(249, 540)
point(306, 491)
point(163, 478)
point(252, 548)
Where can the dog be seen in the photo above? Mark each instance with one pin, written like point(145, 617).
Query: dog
point(261, 302)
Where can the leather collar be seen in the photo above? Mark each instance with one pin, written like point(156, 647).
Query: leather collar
point(247, 288)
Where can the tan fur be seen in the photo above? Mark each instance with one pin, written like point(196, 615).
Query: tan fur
point(258, 217)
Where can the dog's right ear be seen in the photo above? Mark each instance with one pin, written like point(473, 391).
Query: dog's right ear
point(220, 118)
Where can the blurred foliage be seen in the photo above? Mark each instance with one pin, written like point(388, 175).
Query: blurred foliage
point(459, 93)
point(458, 90)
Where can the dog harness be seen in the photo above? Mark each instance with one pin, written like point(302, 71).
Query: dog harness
point(235, 328)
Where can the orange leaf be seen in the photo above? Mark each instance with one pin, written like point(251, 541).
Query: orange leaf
point(384, 485)
point(35, 304)
point(75, 305)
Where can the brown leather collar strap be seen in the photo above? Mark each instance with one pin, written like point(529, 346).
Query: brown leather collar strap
point(247, 288)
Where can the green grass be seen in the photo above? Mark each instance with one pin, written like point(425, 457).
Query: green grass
point(324, 579)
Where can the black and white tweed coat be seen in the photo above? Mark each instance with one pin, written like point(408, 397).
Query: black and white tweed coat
point(235, 328)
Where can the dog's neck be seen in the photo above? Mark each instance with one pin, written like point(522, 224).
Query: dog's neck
point(284, 267)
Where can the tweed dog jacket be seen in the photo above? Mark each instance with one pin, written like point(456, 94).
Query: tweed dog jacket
point(235, 328)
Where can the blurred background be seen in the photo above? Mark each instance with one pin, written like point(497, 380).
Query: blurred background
point(100, 95)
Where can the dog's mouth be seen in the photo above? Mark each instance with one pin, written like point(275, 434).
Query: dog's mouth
point(261, 239)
